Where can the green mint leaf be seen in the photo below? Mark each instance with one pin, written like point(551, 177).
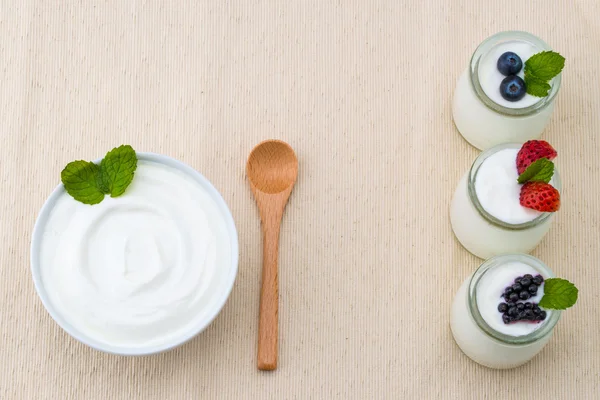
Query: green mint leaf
point(535, 86)
point(540, 69)
point(559, 294)
point(540, 170)
point(81, 182)
point(545, 65)
point(117, 169)
point(101, 184)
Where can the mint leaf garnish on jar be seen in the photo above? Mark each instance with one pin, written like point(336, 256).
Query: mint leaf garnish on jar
point(541, 170)
point(540, 69)
point(559, 294)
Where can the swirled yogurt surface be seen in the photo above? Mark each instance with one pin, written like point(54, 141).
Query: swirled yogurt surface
point(142, 269)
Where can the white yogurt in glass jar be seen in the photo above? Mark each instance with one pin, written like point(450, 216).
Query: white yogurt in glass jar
point(477, 324)
point(141, 272)
point(486, 215)
point(481, 114)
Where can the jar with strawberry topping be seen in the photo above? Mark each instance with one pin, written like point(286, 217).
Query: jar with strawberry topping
point(493, 213)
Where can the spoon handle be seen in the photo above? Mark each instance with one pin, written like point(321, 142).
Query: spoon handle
point(269, 298)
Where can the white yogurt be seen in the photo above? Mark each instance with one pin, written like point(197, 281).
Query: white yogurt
point(492, 350)
point(490, 288)
point(141, 269)
point(498, 191)
point(490, 78)
point(485, 126)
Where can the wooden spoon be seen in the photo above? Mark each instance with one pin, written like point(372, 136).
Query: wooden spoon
point(272, 170)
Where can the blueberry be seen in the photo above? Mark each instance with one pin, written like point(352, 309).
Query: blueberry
point(509, 63)
point(513, 311)
point(528, 315)
point(528, 305)
point(520, 306)
point(542, 315)
point(528, 276)
point(506, 319)
point(513, 297)
point(513, 88)
point(538, 280)
point(526, 281)
point(537, 310)
point(510, 304)
point(502, 307)
point(517, 287)
point(532, 288)
point(524, 295)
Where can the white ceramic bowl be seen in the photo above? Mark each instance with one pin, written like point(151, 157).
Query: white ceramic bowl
point(198, 327)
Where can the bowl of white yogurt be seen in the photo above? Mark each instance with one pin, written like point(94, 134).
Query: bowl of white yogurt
point(140, 273)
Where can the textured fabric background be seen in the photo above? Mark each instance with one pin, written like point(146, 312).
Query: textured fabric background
point(369, 265)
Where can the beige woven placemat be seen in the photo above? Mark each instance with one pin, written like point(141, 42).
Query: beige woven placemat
point(368, 265)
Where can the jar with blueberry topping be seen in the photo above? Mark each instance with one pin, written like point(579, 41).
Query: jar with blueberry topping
point(489, 107)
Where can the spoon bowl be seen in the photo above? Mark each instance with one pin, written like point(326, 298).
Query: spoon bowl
point(272, 166)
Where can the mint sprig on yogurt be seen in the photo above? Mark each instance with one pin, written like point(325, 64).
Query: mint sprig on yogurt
point(559, 294)
point(88, 183)
point(541, 170)
point(117, 169)
point(537, 87)
point(540, 69)
point(81, 181)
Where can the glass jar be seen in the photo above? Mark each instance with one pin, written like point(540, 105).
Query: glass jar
point(483, 122)
point(481, 233)
point(482, 343)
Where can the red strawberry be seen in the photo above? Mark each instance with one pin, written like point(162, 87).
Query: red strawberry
point(533, 150)
point(540, 196)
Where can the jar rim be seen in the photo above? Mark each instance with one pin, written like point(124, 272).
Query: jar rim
point(482, 211)
point(489, 43)
point(495, 262)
